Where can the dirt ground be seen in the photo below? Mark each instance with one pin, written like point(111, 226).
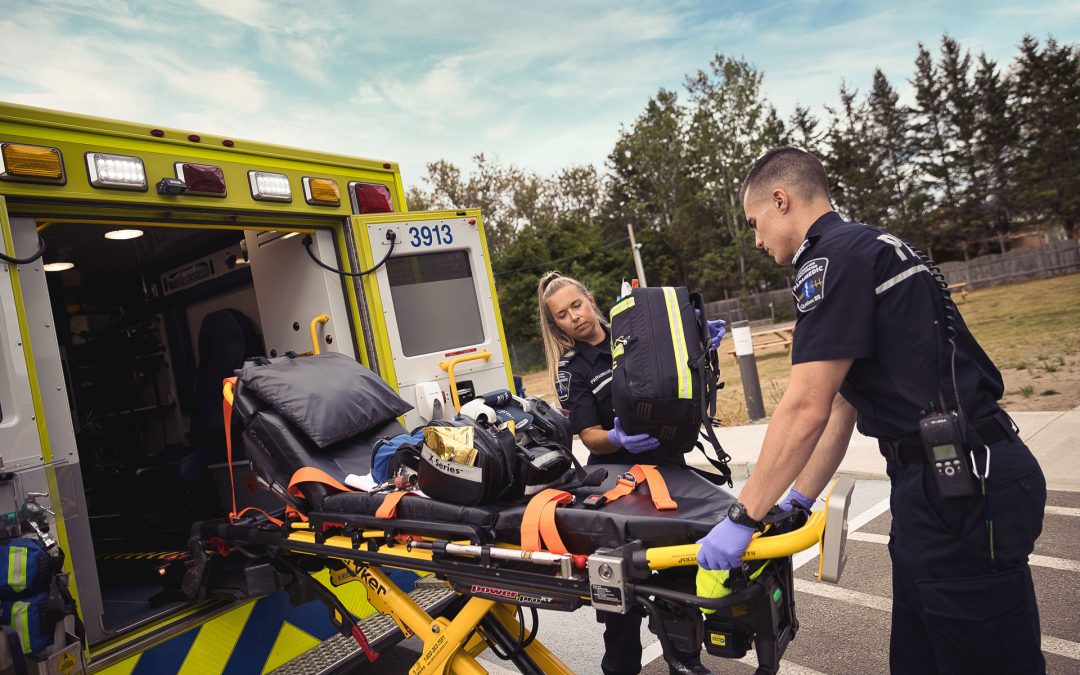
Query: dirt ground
point(1031, 330)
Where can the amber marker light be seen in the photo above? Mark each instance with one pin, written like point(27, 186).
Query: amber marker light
point(322, 191)
point(33, 163)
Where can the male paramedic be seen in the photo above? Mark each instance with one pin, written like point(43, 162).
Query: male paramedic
point(878, 341)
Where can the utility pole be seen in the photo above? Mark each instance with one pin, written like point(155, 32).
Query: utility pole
point(636, 248)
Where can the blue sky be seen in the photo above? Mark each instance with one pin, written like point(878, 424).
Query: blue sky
point(538, 85)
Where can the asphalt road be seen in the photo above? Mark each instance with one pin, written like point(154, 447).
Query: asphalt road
point(844, 628)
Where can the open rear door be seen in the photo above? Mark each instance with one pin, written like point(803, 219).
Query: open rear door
point(433, 308)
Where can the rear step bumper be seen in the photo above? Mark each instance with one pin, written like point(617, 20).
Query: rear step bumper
point(339, 653)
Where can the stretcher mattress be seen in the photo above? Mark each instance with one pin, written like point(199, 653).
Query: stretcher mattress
point(700, 506)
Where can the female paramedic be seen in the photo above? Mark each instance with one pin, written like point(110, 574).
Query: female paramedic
point(578, 354)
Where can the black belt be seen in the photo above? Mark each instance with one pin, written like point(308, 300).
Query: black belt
point(990, 430)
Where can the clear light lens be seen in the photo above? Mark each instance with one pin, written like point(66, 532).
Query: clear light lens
point(124, 234)
point(58, 266)
point(116, 171)
point(321, 191)
point(270, 186)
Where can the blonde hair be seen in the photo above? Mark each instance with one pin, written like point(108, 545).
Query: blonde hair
point(556, 342)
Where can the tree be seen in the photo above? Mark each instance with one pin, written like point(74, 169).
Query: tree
point(1045, 86)
point(996, 149)
point(731, 124)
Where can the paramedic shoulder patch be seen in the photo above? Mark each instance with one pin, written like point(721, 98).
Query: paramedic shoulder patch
point(562, 385)
point(809, 288)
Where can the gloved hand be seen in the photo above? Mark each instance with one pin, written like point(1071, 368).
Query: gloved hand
point(794, 497)
point(633, 443)
point(723, 546)
point(717, 330)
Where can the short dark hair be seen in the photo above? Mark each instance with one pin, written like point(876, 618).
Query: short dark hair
point(788, 167)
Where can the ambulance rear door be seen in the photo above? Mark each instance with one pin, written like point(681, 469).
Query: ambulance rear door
point(433, 308)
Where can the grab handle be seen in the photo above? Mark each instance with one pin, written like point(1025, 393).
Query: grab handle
point(449, 366)
point(322, 318)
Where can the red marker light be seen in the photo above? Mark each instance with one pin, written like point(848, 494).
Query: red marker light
point(202, 179)
point(194, 138)
point(158, 133)
point(371, 198)
point(472, 221)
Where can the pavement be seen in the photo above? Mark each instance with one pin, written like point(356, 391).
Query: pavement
point(1054, 438)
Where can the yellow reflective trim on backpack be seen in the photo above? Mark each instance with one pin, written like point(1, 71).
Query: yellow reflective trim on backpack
point(17, 568)
point(678, 342)
point(620, 306)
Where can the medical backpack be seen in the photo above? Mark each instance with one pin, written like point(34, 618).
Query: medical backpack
point(664, 379)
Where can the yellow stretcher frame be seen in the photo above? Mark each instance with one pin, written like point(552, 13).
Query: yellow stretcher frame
point(452, 645)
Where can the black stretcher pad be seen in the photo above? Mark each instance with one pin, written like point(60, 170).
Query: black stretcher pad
point(700, 506)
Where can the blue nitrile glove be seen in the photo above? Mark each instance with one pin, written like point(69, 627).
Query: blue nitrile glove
point(717, 330)
point(724, 545)
point(633, 443)
point(795, 497)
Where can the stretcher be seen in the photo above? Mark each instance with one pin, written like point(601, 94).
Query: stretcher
point(485, 567)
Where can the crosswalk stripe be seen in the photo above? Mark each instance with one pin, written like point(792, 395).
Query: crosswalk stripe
point(1063, 564)
point(1066, 648)
point(1062, 511)
point(843, 594)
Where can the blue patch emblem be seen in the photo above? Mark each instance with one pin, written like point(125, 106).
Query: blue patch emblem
point(809, 289)
point(562, 385)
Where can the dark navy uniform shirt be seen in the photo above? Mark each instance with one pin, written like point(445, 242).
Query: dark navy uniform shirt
point(583, 385)
point(863, 294)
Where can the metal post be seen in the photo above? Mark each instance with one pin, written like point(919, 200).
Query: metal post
point(636, 248)
point(744, 354)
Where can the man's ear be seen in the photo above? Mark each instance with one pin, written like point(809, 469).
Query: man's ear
point(780, 201)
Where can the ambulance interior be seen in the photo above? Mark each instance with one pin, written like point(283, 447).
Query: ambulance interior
point(147, 329)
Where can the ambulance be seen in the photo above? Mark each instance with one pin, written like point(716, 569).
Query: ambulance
point(141, 266)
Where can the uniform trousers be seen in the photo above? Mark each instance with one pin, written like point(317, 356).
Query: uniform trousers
point(955, 609)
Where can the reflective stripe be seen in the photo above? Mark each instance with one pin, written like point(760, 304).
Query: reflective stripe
point(678, 342)
point(20, 621)
point(625, 304)
point(600, 386)
point(618, 350)
point(17, 568)
point(899, 277)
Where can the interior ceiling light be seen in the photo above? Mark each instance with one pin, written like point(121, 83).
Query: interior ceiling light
point(124, 234)
point(58, 266)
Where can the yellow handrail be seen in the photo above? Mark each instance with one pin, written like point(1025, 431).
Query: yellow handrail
point(449, 366)
point(322, 318)
point(760, 547)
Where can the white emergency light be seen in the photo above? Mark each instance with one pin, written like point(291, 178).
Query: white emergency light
point(272, 187)
point(118, 172)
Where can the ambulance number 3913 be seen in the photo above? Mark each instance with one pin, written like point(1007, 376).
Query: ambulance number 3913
point(429, 236)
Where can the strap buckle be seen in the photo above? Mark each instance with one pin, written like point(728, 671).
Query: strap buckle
point(628, 479)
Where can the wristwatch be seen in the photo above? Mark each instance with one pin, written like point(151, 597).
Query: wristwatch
point(737, 514)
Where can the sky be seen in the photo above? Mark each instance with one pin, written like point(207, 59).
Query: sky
point(539, 85)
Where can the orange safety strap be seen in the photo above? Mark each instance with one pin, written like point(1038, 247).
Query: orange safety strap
point(638, 474)
point(538, 523)
point(388, 508)
point(226, 408)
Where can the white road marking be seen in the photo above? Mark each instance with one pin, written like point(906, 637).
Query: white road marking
point(843, 594)
point(1063, 564)
point(1066, 648)
point(1052, 645)
point(1062, 511)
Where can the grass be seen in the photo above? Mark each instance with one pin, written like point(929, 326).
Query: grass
point(1032, 322)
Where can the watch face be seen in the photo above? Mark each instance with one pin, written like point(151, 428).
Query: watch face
point(736, 512)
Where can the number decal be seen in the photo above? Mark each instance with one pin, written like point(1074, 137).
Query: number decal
point(431, 235)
